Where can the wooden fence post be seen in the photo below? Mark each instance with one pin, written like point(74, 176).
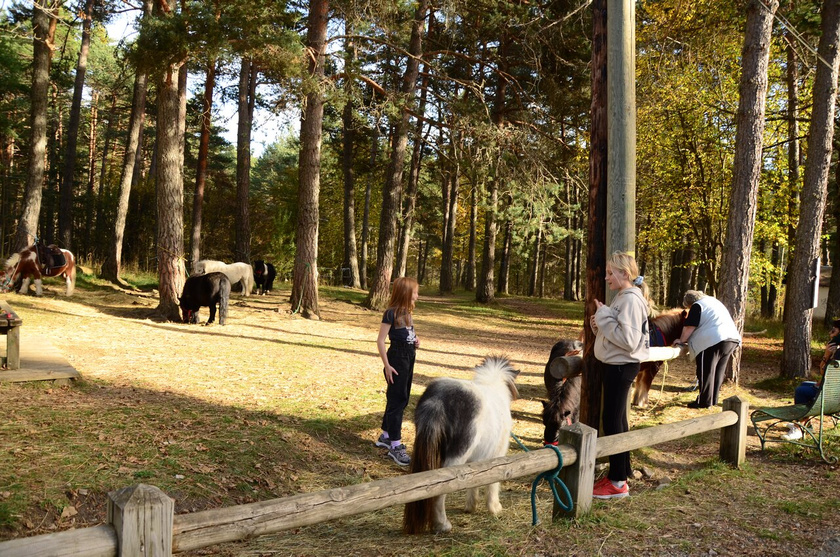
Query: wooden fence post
point(580, 476)
point(733, 439)
point(142, 516)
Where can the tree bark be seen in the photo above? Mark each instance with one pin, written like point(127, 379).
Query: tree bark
point(304, 296)
point(351, 255)
point(170, 193)
point(379, 292)
point(450, 223)
point(65, 210)
point(832, 305)
point(413, 178)
point(112, 265)
point(796, 353)
point(90, 197)
point(590, 398)
point(201, 163)
point(43, 24)
point(735, 265)
point(247, 86)
point(363, 260)
point(469, 273)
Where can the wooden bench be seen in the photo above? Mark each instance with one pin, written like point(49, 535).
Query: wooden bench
point(810, 418)
point(10, 326)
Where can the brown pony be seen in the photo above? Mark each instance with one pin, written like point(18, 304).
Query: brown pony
point(670, 325)
point(39, 261)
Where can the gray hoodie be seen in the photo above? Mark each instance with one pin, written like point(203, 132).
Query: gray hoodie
point(622, 336)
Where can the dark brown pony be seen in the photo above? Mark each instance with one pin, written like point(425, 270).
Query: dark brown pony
point(39, 261)
point(670, 325)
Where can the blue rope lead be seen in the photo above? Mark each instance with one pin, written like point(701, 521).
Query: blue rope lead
point(552, 478)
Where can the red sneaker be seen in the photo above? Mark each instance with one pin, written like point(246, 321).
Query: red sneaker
point(608, 491)
point(600, 482)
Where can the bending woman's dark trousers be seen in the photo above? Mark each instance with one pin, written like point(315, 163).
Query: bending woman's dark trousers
point(401, 357)
point(618, 379)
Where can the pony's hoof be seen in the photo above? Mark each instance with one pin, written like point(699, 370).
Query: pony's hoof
point(494, 508)
point(443, 528)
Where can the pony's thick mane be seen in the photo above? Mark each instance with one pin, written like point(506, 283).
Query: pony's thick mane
point(496, 368)
point(669, 322)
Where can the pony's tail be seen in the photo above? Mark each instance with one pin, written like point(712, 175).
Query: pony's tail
point(71, 274)
point(428, 447)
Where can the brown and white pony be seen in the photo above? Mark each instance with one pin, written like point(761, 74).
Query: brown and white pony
point(669, 325)
point(29, 265)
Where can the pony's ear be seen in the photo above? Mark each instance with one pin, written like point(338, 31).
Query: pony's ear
point(545, 404)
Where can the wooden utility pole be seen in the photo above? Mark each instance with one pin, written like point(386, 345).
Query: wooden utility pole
point(621, 127)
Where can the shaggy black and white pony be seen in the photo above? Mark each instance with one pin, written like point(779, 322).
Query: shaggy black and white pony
point(459, 421)
point(235, 272)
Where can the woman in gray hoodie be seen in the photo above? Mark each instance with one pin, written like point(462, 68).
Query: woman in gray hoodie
point(621, 343)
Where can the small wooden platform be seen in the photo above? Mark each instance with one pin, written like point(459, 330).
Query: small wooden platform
point(39, 361)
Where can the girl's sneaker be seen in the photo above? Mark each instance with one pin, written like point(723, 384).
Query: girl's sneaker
point(399, 455)
point(383, 442)
point(608, 491)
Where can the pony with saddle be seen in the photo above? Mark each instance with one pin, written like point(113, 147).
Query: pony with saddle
point(38, 261)
point(241, 273)
point(665, 328)
point(459, 421)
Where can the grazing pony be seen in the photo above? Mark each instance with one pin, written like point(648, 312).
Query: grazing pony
point(38, 261)
point(264, 274)
point(665, 328)
point(563, 406)
point(207, 291)
point(459, 421)
point(235, 272)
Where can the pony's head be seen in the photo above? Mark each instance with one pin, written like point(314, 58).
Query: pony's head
point(562, 409)
point(498, 368)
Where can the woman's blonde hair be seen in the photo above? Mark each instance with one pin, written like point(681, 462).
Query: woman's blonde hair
point(402, 302)
point(623, 261)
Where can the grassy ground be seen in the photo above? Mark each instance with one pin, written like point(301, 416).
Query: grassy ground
point(273, 405)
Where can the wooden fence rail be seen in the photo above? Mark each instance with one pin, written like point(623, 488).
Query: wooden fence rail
point(141, 517)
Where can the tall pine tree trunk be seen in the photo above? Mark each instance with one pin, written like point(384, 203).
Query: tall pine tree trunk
point(304, 296)
point(90, 196)
point(596, 256)
point(170, 192)
point(201, 164)
point(469, 273)
point(363, 260)
point(413, 175)
point(43, 25)
point(351, 256)
point(796, 353)
point(65, 211)
point(247, 90)
point(450, 223)
point(735, 266)
point(485, 290)
point(380, 289)
point(113, 262)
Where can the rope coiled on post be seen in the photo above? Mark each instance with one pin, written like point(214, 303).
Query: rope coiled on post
point(552, 476)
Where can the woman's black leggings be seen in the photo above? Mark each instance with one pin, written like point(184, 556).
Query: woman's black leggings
point(618, 379)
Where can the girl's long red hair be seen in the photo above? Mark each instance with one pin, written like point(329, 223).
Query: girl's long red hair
point(402, 302)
